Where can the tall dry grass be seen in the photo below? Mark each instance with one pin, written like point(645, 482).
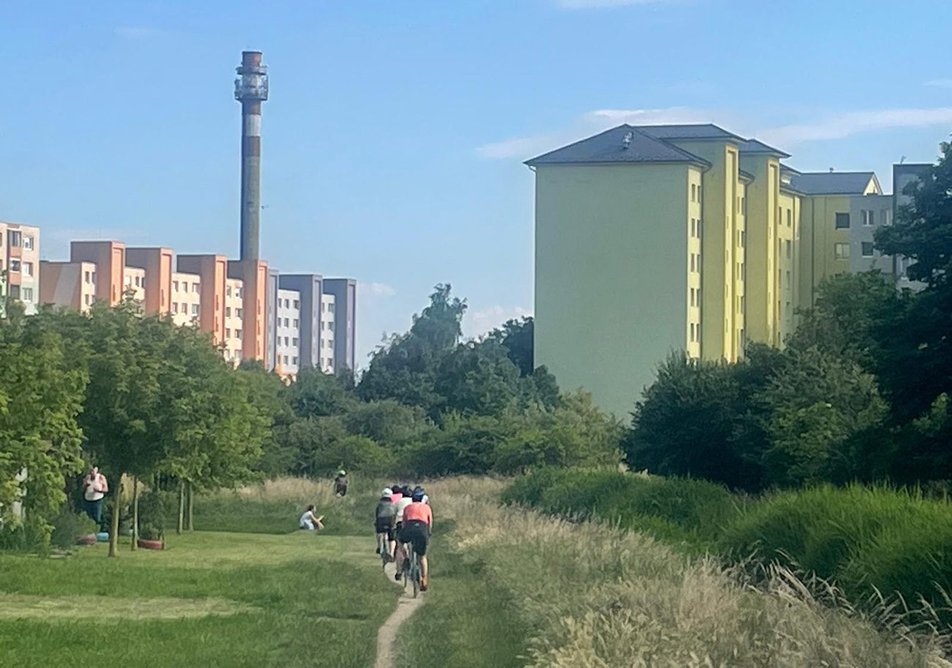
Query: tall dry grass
point(593, 595)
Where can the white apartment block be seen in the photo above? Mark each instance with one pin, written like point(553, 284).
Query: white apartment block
point(20, 263)
point(134, 281)
point(234, 295)
point(186, 298)
point(287, 332)
point(327, 333)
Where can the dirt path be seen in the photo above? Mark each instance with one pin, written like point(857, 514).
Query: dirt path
point(387, 635)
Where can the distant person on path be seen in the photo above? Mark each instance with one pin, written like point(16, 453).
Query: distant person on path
point(310, 521)
point(340, 483)
point(95, 488)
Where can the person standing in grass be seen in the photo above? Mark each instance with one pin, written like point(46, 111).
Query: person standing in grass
point(310, 521)
point(95, 488)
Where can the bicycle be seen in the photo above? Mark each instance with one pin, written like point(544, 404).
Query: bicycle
point(411, 570)
point(384, 551)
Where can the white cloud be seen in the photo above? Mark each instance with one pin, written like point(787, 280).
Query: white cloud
point(602, 4)
point(376, 289)
point(587, 124)
point(846, 124)
point(477, 323)
point(939, 83)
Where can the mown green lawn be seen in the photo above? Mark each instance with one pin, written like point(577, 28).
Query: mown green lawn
point(213, 599)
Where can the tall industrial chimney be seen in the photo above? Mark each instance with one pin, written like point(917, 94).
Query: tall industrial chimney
point(251, 89)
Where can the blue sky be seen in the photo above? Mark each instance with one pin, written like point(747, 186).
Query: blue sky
point(395, 132)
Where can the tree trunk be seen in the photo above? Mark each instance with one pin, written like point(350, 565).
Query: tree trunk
point(191, 507)
point(135, 513)
point(114, 528)
point(181, 507)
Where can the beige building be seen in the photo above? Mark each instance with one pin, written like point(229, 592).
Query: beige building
point(20, 263)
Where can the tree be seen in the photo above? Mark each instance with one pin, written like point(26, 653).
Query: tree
point(387, 422)
point(41, 394)
point(477, 378)
point(122, 417)
point(700, 419)
point(405, 368)
point(315, 394)
point(516, 336)
point(816, 408)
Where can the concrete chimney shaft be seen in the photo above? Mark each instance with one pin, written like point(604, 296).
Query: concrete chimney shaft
point(251, 89)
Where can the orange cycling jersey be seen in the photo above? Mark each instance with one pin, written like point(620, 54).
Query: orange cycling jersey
point(418, 511)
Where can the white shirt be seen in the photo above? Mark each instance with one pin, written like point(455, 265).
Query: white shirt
point(401, 504)
point(94, 487)
point(307, 520)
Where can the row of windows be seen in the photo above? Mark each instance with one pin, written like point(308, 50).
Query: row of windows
point(286, 322)
point(841, 221)
point(138, 281)
point(237, 291)
point(183, 308)
point(26, 268)
point(21, 293)
point(841, 251)
point(185, 284)
point(284, 360)
point(228, 333)
point(288, 341)
point(16, 239)
point(239, 313)
point(287, 303)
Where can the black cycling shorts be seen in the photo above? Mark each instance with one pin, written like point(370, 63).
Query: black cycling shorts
point(417, 533)
point(383, 526)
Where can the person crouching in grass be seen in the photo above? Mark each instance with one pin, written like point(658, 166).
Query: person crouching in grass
point(310, 521)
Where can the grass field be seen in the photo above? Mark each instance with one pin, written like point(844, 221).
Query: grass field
point(212, 598)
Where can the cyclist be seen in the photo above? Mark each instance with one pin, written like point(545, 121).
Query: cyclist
point(405, 500)
point(340, 483)
point(417, 527)
point(385, 517)
point(397, 492)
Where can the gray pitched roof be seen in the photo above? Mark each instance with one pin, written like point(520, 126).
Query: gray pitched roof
point(757, 146)
point(611, 147)
point(832, 183)
point(689, 131)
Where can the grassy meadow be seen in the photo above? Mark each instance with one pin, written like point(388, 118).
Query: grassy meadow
point(254, 592)
point(577, 593)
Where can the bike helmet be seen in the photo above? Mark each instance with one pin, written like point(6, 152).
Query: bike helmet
point(418, 490)
point(342, 472)
point(418, 495)
point(386, 492)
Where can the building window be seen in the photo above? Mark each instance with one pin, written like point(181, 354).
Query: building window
point(14, 265)
point(227, 333)
point(239, 313)
point(841, 251)
point(94, 277)
point(285, 359)
point(294, 361)
point(86, 299)
point(194, 287)
point(693, 192)
point(842, 221)
point(27, 294)
point(13, 239)
point(227, 311)
point(228, 291)
point(194, 309)
point(27, 268)
point(27, 243)
point(239, 292)
point(297, 304)
point(789, 217)
point(296, 323)
point(884, 216)
point(174, 307)
point(286, 322)
point(294, 342)
point(868, 248)
point(788, 248)
point(237, 333)
point(868, 217)
point(693, 264)
point(788, 279)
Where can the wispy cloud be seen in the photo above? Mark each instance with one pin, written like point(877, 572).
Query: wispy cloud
point(586, 124)
point(376, 289)
point(847, 124)
point(138, 32)
point(603, 4)
point(477, 323)
point(939, 83)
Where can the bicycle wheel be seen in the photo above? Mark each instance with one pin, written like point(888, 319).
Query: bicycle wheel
point(415, 574)
point(406, 571)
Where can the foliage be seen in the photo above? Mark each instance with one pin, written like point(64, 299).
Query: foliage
point(516, 336)
point(41, 394)
point(68, 526)
point(152, 515)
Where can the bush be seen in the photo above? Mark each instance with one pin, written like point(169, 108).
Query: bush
point(152, 514)
point(682, 509)
point(68, 526)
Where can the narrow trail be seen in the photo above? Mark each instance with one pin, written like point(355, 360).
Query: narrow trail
point(387, 635)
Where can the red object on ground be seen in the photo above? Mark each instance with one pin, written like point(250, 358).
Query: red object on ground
point(151, 544)
point(88, 539)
